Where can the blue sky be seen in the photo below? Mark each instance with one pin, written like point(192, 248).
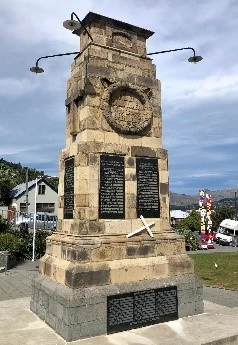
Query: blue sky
point(199, 102)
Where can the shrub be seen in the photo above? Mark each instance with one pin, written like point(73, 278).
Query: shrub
point(191, 238)
point(11, 243)
point(20, 246)
point(4, 225)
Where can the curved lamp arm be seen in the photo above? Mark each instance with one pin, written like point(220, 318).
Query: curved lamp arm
point(50, 56)
point(36, 69)
point(195, 58)
point(173, 50)
point(74, 14)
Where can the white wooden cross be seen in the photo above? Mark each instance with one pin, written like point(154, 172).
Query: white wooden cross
point(146, 226)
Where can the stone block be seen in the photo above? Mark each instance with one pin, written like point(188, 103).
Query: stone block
point(130, 175)
point(91, 135)
point(140, 151)
point(56, 250)
point(130, 213)
point(93, 159)
point(151, 142)
point(82, 186)
point(93, 328)
point(111, 137)
point(95, 228)
point(131, 200)
point(130, 162)
point(164, 188)
point(73, 149)
point(108, 253)
point(81, 200)
point(93, 213)
point(82, 172)
point(130, 140)
point(180, 264)
point(142, 250)
point(93, 197)
point(81, 276)
point(164, 177)
point(117, 227)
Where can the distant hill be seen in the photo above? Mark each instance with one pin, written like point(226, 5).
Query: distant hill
point(219, 197)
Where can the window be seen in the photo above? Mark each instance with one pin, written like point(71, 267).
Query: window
point(41, 189)
point(45, 207)
point(23, 207)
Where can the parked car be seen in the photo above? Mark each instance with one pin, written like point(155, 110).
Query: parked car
point(227, 230)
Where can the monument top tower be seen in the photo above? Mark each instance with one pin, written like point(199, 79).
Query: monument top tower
point(113, 33)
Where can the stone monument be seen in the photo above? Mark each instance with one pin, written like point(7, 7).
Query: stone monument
point(114, 263)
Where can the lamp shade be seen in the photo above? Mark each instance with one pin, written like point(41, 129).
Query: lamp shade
point(195, 59)
point(71, 25)
point(36, 69)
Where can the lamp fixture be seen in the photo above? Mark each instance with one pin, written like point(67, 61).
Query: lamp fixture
point(71, 25)
point(36, 69)
point(75, 24)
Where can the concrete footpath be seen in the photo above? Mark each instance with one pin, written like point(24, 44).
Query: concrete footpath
point(18, 325)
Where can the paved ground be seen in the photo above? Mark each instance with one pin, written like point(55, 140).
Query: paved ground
point(16, 283)
point(18, 325)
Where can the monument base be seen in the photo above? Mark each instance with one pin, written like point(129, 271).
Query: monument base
point(80, 313)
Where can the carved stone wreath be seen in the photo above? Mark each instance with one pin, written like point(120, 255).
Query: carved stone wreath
point(126, 108)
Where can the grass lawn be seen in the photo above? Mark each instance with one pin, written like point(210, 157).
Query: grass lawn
point(225, 276)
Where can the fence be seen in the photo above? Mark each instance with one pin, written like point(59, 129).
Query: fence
point(44, 221)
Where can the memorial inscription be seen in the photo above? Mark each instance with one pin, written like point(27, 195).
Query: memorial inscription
point(147, 188)
point(112, 187)
point(141, 308)
point(69, 188)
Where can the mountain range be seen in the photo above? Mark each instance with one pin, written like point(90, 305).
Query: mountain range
point(218, 197)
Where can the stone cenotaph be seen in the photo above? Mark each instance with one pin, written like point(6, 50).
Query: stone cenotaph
point(114, 263)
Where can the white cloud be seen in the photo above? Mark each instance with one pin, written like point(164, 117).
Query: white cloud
point(13, 87)
point(199, 102)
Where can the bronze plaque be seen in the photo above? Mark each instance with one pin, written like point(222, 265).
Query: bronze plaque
point(112, 187)
point(69, 188)
point(141, 308)
point(147, 187)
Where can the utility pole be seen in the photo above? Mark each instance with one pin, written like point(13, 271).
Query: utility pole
point(235, 206)
point(27, 192)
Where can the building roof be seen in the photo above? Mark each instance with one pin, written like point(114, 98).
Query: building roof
point(94, 17)
point(230, 224)
point(178, 214)
point(20, 189)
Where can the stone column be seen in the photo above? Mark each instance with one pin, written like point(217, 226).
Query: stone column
point(112, 171)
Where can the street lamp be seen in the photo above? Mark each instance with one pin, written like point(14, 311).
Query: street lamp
point(70, 25)
point(36, 69)
point(75, 24)
point(195, 58)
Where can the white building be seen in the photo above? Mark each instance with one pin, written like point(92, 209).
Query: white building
point(46, 200)
point(177, 215)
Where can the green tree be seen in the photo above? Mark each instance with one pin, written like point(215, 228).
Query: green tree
point(6, 185)
point(192, 222)
point(221, 213)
